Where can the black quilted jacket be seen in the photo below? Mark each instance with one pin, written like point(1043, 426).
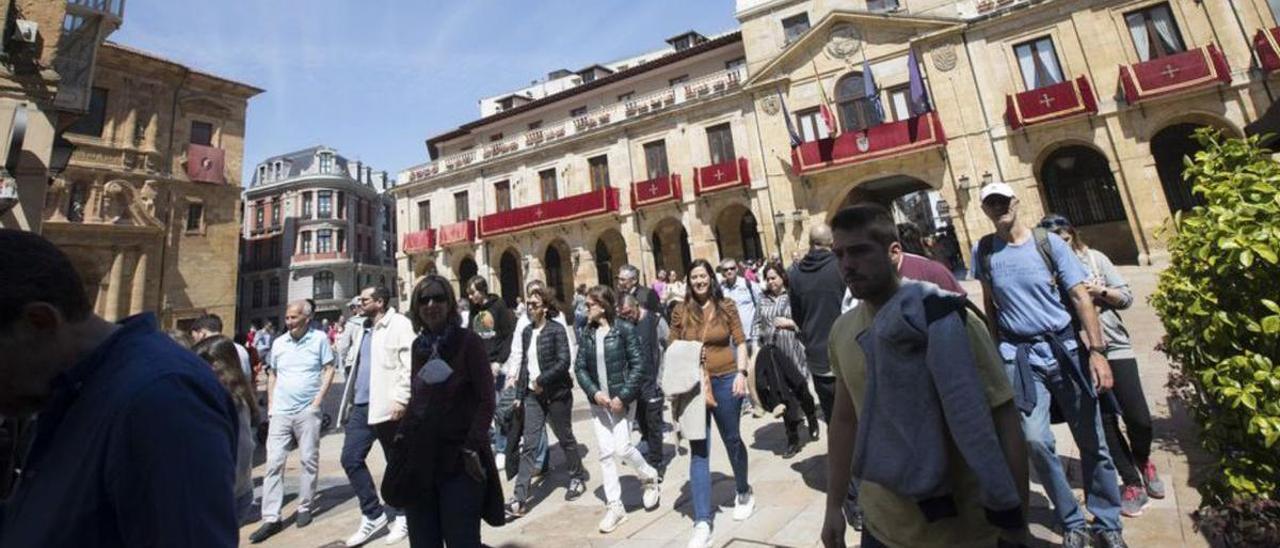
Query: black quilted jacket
point(553, 362)
point(624, 363)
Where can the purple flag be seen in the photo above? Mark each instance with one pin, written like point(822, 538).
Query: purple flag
point(871, 91)
point(918, 97)
point(796, 139)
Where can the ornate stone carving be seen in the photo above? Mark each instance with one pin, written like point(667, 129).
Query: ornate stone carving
point(125, 205)
point(147, 198)
point(843, 41)
point(55, 200)
point(770, 105)
point(944, 56)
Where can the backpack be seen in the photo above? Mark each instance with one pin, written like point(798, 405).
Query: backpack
point(986, 246)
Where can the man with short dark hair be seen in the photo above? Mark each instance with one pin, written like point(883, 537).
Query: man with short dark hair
point(912, 358)
point(494, 323)
point(652, 331)
point(135, 441)
point(209, 325)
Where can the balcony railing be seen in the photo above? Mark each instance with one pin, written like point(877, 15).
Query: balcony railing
point(722, 176)
point(580, 206)
point(881, 141)
point(1189, 70)
point(85, 26)
point(656, 191)
point(420, 241)
point(1048, 103)
point(701, 89)
point(457, 233)
point(1267, 44)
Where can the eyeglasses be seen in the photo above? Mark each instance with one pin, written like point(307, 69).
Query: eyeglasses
point(533, 305)
point(424, 300)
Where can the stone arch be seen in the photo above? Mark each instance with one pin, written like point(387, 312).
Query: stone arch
point(1078, 182)
point(610, 252)
point(558, 266)
point(466, 269)
point(671, 246)
point(738, 233)
point(1170, 144)
point(510, 276)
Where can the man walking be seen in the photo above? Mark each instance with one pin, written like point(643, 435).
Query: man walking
point(262, 341)
point(209, 325)
point(628, 283)
point(301, 371)
point(135, 440)
point(912, 358)
point(1025, 275)
point(742, 292)
point(380, 370)
point(494, 323)
point(651, 329)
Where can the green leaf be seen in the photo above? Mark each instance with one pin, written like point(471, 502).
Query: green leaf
point(1271, 324)
point(1265, 252)
point(1246, 258)
point(1271, 305)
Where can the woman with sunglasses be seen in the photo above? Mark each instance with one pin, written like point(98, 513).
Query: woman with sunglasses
point(545, 391)
point(707, 316)
point(1132, 453)
point(442, 466)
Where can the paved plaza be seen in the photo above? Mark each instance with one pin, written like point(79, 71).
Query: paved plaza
point(789, 493)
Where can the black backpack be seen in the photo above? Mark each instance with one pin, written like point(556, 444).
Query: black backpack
point(986, 246)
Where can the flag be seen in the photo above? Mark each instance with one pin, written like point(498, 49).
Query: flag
point(917, 97)
point(824, 107)
point(871, 91)
point(796, 139)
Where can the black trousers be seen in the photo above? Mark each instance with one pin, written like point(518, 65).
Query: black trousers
point(649, 417)
point(826, 389)
point(538, 413)
point(1131, 449)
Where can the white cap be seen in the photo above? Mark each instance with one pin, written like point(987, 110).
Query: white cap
point(996, 189)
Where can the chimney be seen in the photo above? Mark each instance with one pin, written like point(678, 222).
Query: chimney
point(368, 175)
point(358, 171)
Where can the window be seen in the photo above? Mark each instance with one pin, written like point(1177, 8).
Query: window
point(195, 216)
point(899, 102)
point(1275, 9)
point(460, 210)
point(1155, 33)
point(262, 174)
point(306, 243)
point(625, 97)
point(1038, 62)
point(387, 215)
point(273, 292)
point(655, 159)
point(795, 26)
point(495, 137)
point(424, 215)
point(276, 171)
point(257, 215)
point(580, 111)
point(275, 212)
point(342, 241)
point(502, 195)
point(257, 293)
point(326, 162)
point(1077, 183)
point(342, 206)
point(547, 180)
point(359, 211)
point(536, 124)
point(882, 5)
point(599, 171)
point(201, 133)
point(855, 109)
point(720, 143)
point(324, 205)
point(736, 64)
point(323, 285)
point(678, 80)
point(324, 241)
point(810, 124)
point(306, 205)
point(94, 120)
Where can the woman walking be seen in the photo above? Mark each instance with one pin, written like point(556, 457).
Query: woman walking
point(781, 378)
point(441, 470)
point(706, 316)
point(610, 370)
point(1131, 452)
point(221, 354)
point(545, 392)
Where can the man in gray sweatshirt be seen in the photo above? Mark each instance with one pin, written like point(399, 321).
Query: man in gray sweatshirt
point(912, 358)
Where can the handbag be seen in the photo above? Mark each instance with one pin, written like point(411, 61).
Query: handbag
point(398, 482)
point(678, 376)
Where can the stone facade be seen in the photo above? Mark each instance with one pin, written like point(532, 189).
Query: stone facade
point(316, 226)
point(147, 207)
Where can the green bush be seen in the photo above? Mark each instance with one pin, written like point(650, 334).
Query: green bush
point(1217, 301)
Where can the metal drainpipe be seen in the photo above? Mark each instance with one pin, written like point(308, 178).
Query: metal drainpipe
point(777, 235)
point(168, 235)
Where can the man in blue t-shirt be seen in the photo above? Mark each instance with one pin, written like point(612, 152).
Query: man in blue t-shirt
point(1022, 294)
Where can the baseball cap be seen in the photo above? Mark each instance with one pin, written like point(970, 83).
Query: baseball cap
point(355, 301)
point(996, 189)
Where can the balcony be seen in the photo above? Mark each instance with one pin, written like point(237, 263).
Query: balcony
point(656, 191)
point(85, 26)
point(722, 176)
point(1171, 74)
point(1267, 44)
point(1049, 103)
point(701, 89)
point(205, 164)
point(457, 233)
point(420, 241)
point(886, 140)
point(581, 206)
point(326, 256)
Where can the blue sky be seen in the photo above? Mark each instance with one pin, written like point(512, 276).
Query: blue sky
point(375, 78)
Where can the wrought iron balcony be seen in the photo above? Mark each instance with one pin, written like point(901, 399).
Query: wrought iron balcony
point(85, 26)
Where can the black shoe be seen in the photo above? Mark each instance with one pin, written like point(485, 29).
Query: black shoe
point(303, 519)
point(515, 510)
point(1111, 539)
point(813, 428)
point(576, 488)
point(1077, 538)
point(792, 449)
point(266, 531)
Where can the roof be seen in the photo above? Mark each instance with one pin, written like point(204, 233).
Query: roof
point(727, 39)
point(299, 161)
point(253, 90)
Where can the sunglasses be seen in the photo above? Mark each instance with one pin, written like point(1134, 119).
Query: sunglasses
point(1052, 224)
point(432, 298)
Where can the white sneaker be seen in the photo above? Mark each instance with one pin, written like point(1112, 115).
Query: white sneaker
point(652, 494)
point(501, 460)
point(701, 535)
point(744, 506)
point(368, 527)
point(399, 531)
point(613, 517)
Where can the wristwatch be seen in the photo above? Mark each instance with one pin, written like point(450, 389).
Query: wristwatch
point(1099, 351)
point(745, 372)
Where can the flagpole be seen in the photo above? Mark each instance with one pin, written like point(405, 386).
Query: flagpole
point(826, 103)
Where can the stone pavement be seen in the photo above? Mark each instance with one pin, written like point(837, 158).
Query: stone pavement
point(789, 493)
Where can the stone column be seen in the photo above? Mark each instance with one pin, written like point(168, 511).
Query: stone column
point(115, 286)
point(137, 299)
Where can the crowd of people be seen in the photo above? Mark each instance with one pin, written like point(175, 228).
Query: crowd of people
point(936, 407)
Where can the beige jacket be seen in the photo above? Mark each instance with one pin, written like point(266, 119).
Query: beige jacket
point(390, 367)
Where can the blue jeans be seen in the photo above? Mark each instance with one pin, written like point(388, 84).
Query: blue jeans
point(456, 524)
point(1080, 409)
point(356, 443)
point(727, 414)
point(496, 437)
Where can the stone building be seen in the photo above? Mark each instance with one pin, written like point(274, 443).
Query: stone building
point(48, 53)
point(147, 207)
point(1085, 106)
point(316, 226)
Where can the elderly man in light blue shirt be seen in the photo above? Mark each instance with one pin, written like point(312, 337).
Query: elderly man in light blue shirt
point(301, 372)
point(745, 295)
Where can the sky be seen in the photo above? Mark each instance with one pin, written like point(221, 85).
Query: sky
point(376, 78)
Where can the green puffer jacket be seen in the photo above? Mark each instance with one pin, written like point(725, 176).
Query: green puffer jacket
point(623, 362)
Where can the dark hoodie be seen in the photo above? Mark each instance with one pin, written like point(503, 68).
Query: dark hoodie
point(495, 324)
point(816, 291)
